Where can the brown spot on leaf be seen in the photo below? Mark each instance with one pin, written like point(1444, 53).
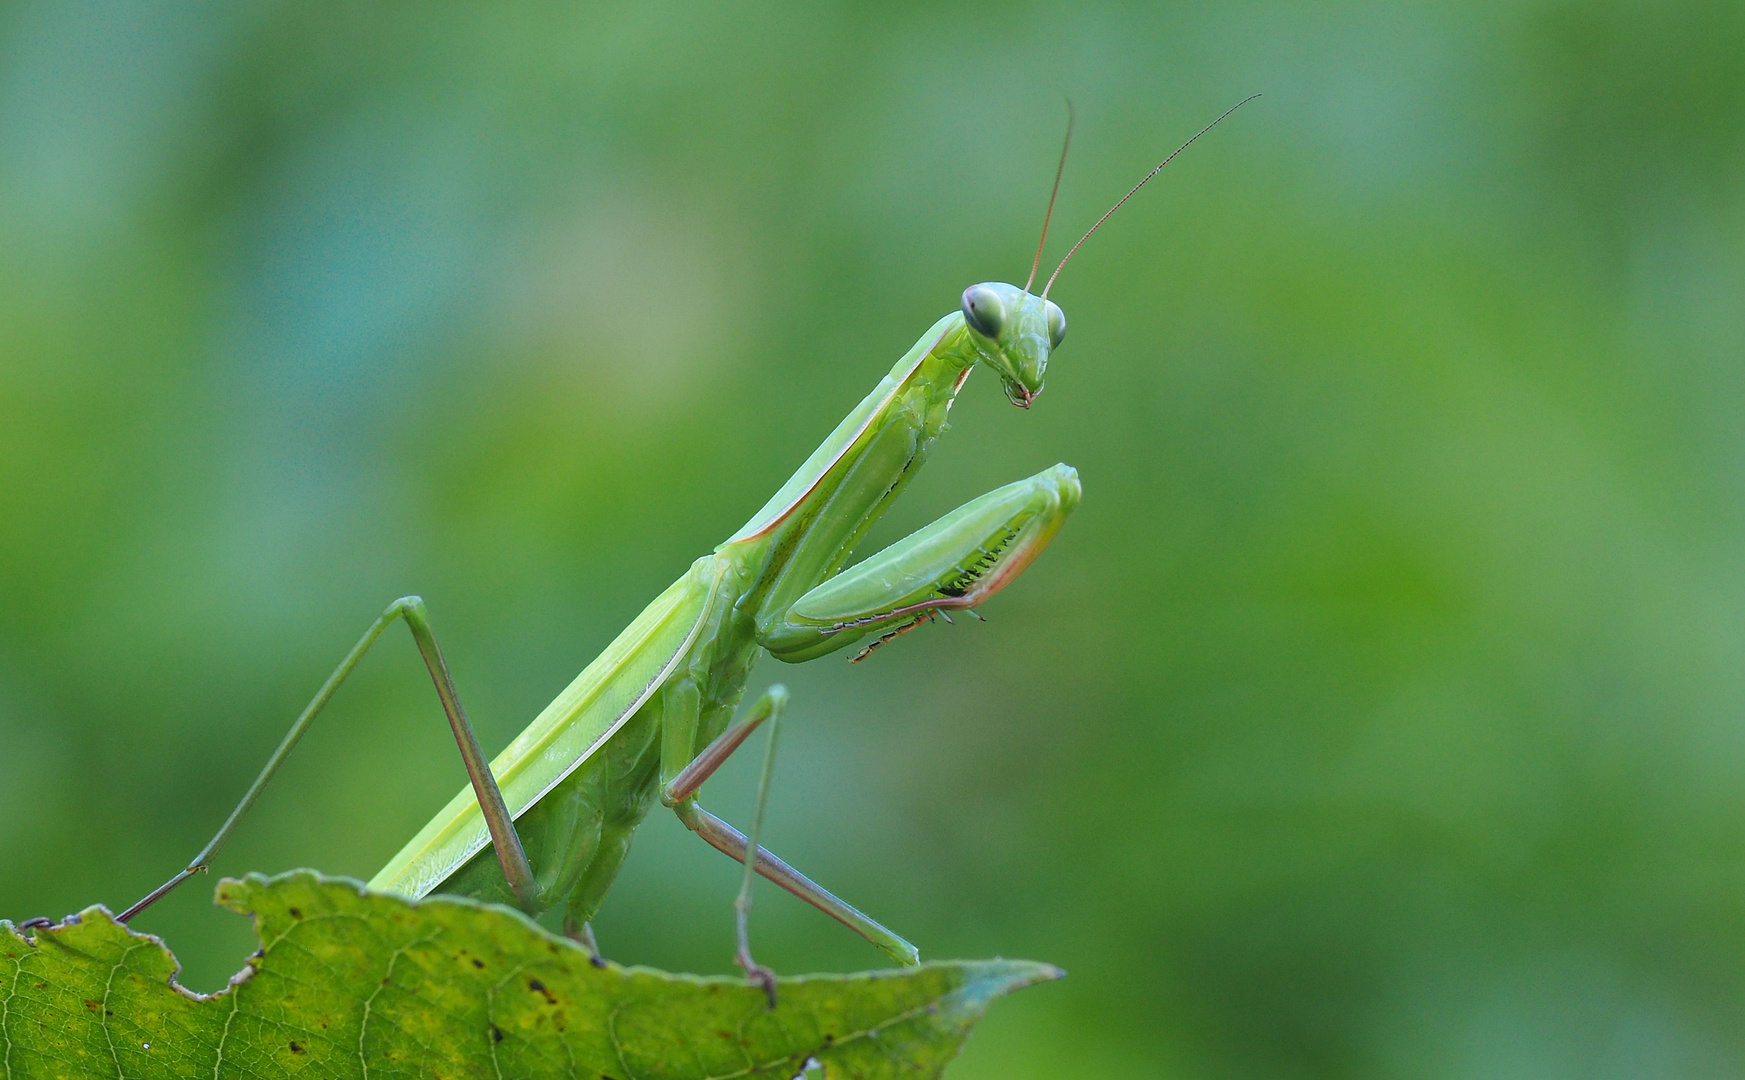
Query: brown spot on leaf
point(496, 1033)
point(295, 914)
point(296, 1047)
point(478, 963)
point(539, 988)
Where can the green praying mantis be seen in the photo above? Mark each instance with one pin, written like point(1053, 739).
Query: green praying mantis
point(548, 823)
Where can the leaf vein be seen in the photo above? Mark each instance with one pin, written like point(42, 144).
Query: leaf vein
point(224, 1036)
point(108, 987)
point(364, 1024)
point(491, 1030)
point(6, 1004)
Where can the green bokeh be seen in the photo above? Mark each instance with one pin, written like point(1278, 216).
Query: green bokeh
point(1381, 712)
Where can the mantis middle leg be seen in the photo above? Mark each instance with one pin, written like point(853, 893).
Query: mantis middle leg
point(680, 793)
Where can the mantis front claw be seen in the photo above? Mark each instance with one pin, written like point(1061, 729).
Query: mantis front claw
point(955, 563)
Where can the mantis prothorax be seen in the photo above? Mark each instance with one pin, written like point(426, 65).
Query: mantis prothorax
point(549, 822)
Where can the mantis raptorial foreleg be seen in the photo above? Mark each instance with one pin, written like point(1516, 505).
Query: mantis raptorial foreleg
point(956, 562)
point(508, 845)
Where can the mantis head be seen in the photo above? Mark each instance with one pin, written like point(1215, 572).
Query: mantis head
point(1014, 332)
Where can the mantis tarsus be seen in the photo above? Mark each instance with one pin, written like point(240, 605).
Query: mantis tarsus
point(549, 821)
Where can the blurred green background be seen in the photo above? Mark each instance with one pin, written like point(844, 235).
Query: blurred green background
point(1381, 712)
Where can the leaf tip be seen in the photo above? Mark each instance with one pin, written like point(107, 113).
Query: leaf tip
point(989, 979)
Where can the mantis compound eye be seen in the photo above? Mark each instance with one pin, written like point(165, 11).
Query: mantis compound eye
point(983, 310)
point(1056, 325)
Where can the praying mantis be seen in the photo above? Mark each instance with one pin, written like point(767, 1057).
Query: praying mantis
point(548, 823)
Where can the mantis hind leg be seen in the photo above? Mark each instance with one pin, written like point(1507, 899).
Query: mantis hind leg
point(503, 836)
point(561, 834)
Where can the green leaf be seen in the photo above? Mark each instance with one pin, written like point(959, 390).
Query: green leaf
point(356, 984)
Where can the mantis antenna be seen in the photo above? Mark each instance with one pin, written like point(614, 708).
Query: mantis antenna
point(1129, 194)
point(1059, 169)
